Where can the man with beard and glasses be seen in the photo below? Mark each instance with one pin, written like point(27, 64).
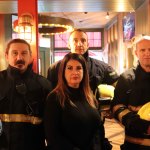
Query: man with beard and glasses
point(131, 100)
point(22, 100)
point(99, 72)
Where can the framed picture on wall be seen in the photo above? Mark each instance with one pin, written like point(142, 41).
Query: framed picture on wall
point(128, 26)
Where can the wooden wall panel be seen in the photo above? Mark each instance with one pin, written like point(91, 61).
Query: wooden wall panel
point(143, 19)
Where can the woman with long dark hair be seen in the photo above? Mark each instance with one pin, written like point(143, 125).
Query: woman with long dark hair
point(72, 121)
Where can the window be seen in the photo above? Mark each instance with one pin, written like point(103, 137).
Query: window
point(61, 41)
point(95, 39)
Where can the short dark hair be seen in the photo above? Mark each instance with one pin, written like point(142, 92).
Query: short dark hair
point(77, 30)
point(17, 41)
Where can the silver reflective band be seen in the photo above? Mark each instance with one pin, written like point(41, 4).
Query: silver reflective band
point(112, 73)
point(1, 127)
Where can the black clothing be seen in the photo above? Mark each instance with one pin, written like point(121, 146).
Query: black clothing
point(22, 95)
point(131, 92)
point(99, 73)
point(72, 126)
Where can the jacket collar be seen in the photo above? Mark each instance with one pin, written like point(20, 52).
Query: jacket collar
point(15, 73)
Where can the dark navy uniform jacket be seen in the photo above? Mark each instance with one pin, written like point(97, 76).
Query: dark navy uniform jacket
point(22, 95)
point(99, 73)
point(133, 91)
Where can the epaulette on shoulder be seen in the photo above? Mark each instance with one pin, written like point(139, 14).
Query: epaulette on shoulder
point(96, 61)
point(130, 74)
point(44, 83)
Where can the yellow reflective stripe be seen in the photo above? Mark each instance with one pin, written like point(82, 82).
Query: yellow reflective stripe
point(20, 118)
point(139, 141)
point(121, 114)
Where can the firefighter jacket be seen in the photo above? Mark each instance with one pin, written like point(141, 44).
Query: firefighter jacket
point(99, 72)
point(22, 98)
point(131, 93)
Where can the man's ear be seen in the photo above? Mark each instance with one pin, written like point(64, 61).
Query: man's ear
point(88, 45)
point(6, 56)
point(31, 60)
point(68, 45)
point(135, 53)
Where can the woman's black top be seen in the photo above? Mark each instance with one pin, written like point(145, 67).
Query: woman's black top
point(72, 126)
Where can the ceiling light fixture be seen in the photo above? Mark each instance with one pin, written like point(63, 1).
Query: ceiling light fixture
point(24, 26)
point(54, 25)
point(107, 15)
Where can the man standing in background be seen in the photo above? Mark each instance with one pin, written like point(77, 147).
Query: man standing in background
point(99, 72)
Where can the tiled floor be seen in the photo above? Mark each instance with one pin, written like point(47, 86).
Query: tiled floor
point(114, 132)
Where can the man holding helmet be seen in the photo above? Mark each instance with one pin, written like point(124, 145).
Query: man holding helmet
point(131, 93)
